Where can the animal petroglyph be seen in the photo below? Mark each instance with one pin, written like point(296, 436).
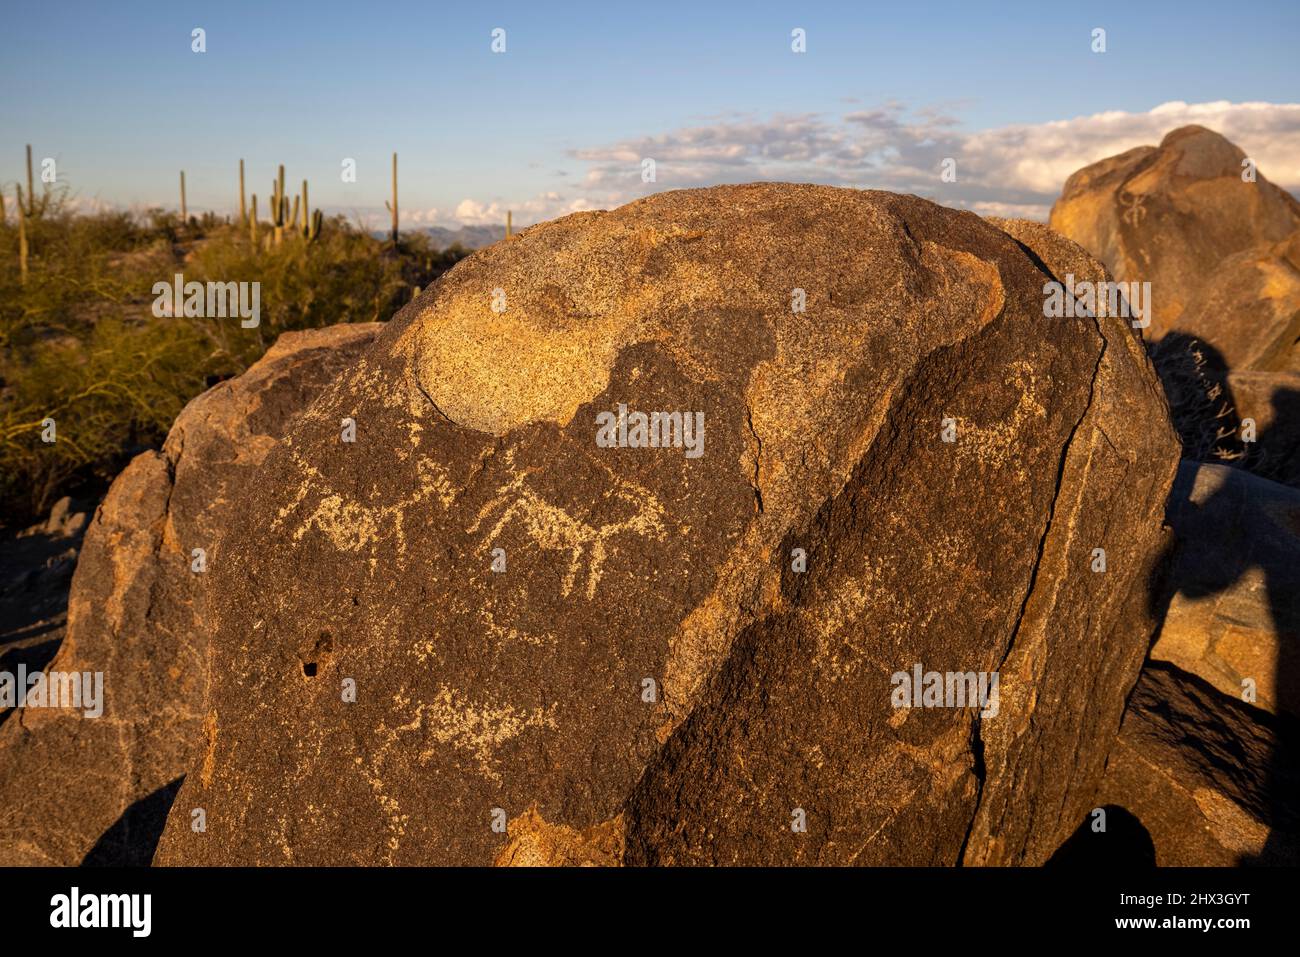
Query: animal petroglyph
point(553, 528)
point(353, 526)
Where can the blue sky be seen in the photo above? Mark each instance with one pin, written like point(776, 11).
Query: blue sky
point(115, 95)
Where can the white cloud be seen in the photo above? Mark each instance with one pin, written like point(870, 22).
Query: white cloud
point(1015, 170)
point(1038, 211)
point(1040, 157)
point(548, 205)
point(1011, 170)
point(93, 206)
point(418, 217)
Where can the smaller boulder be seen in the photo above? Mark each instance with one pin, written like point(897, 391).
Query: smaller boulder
point(1175, 216)
point(1271, 401)
point(1211, 779)
point(1234, 615)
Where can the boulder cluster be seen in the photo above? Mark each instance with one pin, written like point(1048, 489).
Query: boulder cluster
point(763, 524)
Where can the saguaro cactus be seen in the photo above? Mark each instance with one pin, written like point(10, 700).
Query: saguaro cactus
point(393, 206)
point(243, 210)
point(299, 217)
point(22, 238)
point(31, 190)
point(279, 206)
point(252, 224)
point(310, 228)
point(185, 218)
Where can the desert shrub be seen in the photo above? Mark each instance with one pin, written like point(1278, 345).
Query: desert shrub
point(74, 262)
point(342, 277)
point(79, 342)
point(109, 395)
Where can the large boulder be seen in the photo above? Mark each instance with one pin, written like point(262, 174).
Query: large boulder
point(650, 673)
point(1233, 617)
point(97, 789)
point(1217, 248)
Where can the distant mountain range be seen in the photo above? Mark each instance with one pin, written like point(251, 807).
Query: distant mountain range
point(469, 237)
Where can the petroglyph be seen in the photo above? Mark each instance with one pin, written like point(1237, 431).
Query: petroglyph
point(997, 442)
point(553, 528)
point(352, 526)
point(477, 727)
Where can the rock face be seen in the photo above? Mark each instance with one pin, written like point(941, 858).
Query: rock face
point(36, 568)
point(680, 657)
point(97, 789)
point(1250, 310)
point(1234, 613)
point(1219, 252)
point(1272, 401)
point(1211, 779)
point(1208, 757)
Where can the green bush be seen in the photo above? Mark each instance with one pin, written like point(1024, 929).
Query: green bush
point(118, 389)
point(79, 342)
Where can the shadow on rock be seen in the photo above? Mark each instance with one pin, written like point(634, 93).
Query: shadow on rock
point(1229, 607)
point(1124, 843)
point(133, 839)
